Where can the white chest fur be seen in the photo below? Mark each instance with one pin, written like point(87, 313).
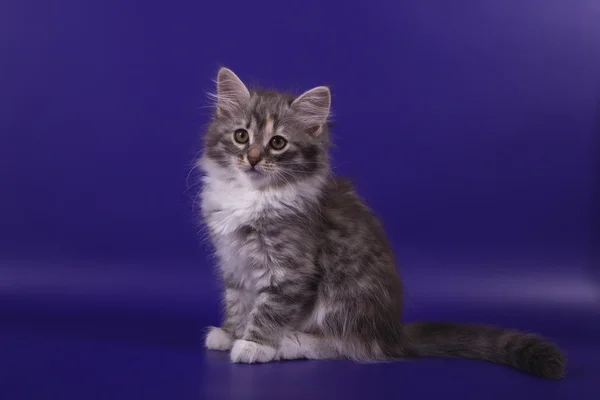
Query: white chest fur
point(230, 204)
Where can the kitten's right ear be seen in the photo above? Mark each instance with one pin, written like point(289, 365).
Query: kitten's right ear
point(232, 94)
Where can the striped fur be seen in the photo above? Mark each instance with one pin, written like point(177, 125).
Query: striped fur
point(306, 268)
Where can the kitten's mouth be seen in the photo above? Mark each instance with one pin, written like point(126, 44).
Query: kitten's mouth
point(253, 172)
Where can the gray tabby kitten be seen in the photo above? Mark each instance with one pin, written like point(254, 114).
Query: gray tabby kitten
point(307, 270)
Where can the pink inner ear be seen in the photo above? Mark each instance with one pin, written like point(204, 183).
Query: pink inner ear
point(313, 129)
point(223, 113)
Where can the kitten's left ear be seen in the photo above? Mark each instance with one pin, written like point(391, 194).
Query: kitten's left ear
point(312, 108)
point(232, 94)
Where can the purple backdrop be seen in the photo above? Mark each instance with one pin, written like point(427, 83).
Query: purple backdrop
point(471, 127)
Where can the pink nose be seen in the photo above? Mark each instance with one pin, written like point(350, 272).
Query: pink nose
point(253, 156)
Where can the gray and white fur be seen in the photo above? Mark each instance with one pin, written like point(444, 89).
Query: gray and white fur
point(306, 268)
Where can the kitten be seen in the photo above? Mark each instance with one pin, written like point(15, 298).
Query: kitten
point(306, 267)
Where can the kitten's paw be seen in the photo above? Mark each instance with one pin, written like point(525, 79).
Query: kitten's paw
point(247, 352)
point(218, 339)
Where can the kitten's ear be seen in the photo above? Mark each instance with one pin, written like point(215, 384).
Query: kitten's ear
point(232, 94)
point(312, 108)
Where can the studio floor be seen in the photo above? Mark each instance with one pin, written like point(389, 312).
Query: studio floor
point(92, 330)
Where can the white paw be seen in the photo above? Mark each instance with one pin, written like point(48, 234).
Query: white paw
point(218, 339)
point(247, 352)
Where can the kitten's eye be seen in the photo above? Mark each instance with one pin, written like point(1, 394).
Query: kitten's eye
point(277, 142)
point(241, 136)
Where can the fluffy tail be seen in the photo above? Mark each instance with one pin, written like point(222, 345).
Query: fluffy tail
point(525, 351)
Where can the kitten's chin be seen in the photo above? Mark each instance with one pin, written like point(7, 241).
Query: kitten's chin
point(255, 178)
point(254, 174)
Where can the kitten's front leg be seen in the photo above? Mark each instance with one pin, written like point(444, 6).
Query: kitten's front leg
point(237, 309)
point(277, 307)
point(218, 339)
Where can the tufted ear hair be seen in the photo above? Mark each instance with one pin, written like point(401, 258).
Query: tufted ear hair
point(232, 94)
point(312, 108)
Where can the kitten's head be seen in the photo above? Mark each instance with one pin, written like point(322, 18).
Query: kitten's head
point(266, 138)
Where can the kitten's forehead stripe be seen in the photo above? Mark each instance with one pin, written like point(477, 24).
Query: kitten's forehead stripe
point(268, 125)
point(252, 129)
point(259, 121)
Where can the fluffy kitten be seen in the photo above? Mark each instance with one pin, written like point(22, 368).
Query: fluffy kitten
point(306, 268)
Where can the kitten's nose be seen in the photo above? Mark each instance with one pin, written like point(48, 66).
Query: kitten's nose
point(253, 156)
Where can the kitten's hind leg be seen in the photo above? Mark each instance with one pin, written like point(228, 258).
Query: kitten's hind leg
point(218, 339)
point(298, 345)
